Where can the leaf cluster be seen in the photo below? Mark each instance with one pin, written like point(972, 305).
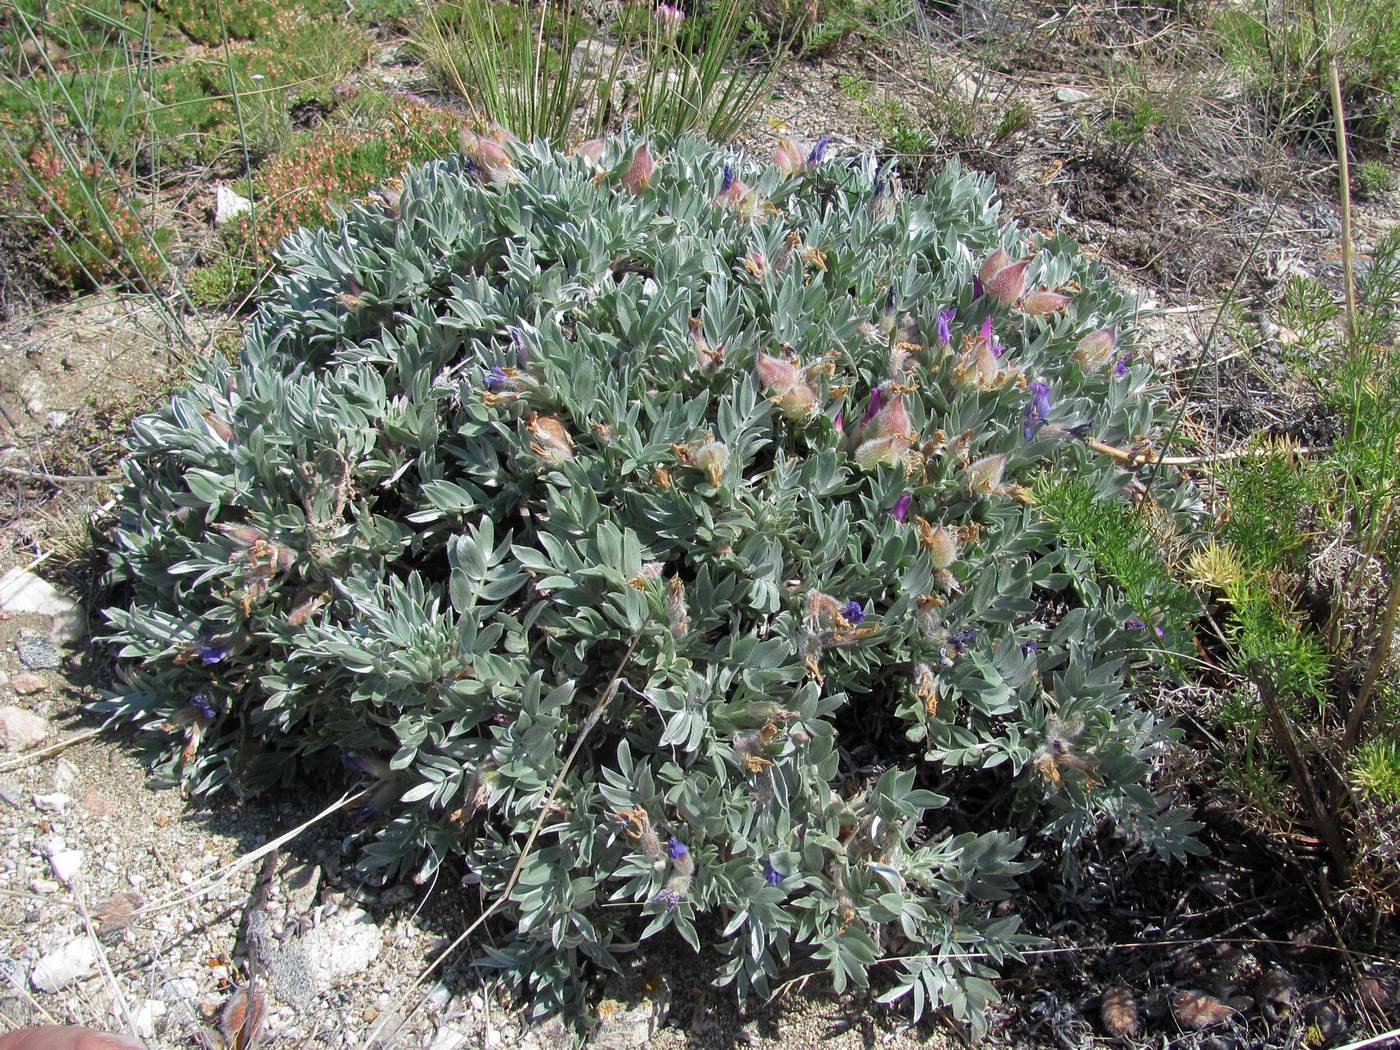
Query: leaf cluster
point(480, 444)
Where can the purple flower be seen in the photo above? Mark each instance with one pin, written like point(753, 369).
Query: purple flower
point(945, 334)
point(961, 638)
point(1028, 647)
point(353, 762)
point(990, 339)
point(1120, 367)
point(1036, 409)
point(977, 289)
point(873, 408)
point(840, 420)
point(200, 702)
point(1157, 630)
point(675, 848)
point(900, 510)
point(522, 352)
point(853, 612)
point(772, 875)
point(818, 153)
point(728, 179)
point(1132, 623)
point(212, 652)
point(668, 897)
point(495, 377)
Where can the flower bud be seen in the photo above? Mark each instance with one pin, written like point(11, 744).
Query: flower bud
point(1008, 283)
point(1096, 349)
point(789, 157)
point(592, 150)
point(639, 172)
point(552, 442)
point(1043, 302)
point(891, 421)
point(668, 20)
point(993, 265)
point(888, 451)
point(942, 543)
point(713, 458)
point(787, 383)
point(984, 475)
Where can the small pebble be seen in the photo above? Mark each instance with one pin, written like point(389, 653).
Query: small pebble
point(55, 803)
point(64, 773)
point(27, 684)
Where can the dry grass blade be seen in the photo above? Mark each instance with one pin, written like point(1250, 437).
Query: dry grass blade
point(252, 857)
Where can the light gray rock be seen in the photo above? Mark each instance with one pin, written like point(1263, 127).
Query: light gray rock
point(26, 683)
point(66, 865)
point(229, 205)
point(180, 990)
point(450, 1037)
point(630, 1014)
point(21, 729)
point(1071, 96)
point(145, 1015)
point(64, 774)
point(343, 947)
point(62, 966)
point(292, 976)
point(24, 592)
point(55, 803)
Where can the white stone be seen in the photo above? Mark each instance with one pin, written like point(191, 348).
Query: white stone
point(344, 946)
point(438, 997)
point(23, 592)
point(180, 990)
point(1071, 96)
point(55, 803)
point(43, 886)
point(62, 966)
point(57, 418)
point(20, 729)
point(145, 1016)
point(64, 773)
point(449, 1037)
point(66, 864)
point(229, 205)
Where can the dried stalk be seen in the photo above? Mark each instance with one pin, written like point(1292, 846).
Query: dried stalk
point(1334, 84)
point(1321, 817)
point(1373, 672)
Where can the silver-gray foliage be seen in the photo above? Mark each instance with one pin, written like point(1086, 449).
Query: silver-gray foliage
point(479, 442)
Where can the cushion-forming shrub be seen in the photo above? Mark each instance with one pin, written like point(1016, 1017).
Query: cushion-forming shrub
point(759, 435)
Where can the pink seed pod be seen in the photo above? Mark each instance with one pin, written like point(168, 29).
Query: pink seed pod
point(789, 157)
point(639, 172)
point(993, 265)
point(1043, 302)
point(1009, 283)
point(1097, 349)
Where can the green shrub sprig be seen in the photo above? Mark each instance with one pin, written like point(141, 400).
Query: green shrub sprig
point(767, 426)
